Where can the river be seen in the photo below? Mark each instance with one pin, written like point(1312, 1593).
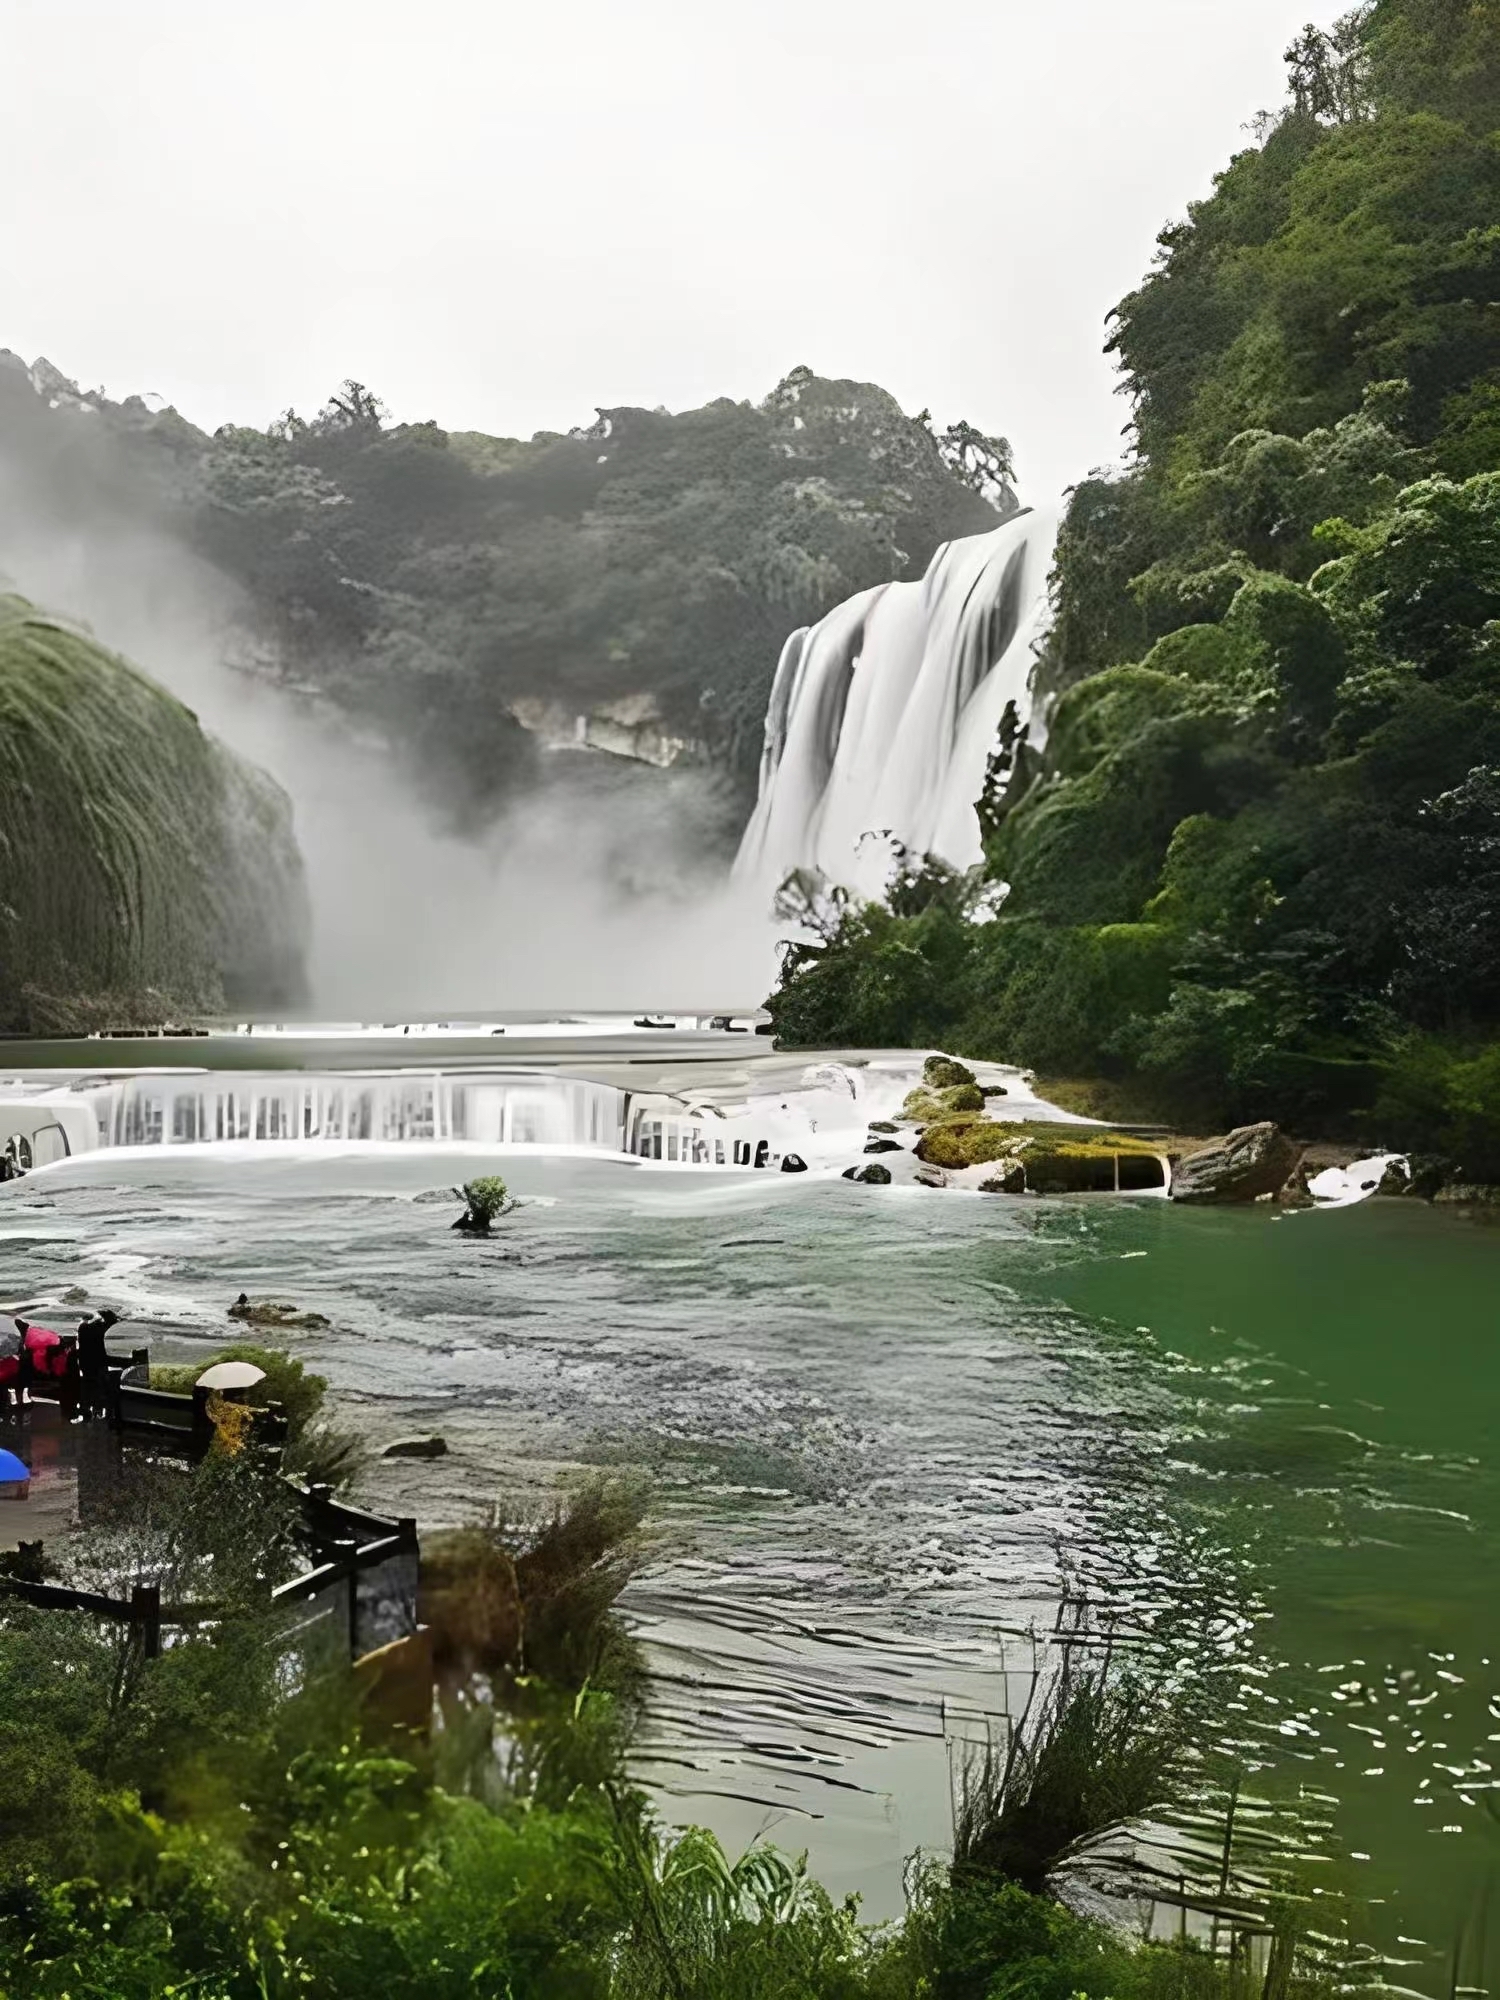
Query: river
point(883, 1424)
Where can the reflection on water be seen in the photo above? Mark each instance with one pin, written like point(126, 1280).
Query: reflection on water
point(885, 1423)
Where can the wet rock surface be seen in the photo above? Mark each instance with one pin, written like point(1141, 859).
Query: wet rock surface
point(416, 1447)
point(1252, 1161)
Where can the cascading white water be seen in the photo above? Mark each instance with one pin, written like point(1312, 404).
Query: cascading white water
point(883, 715)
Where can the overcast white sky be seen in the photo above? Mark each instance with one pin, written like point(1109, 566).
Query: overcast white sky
point(499, 215)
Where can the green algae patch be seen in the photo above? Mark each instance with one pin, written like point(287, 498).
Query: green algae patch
point(145, 872)
point(1055, 1160)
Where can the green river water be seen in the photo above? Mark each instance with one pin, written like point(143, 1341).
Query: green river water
point(884, 1423)
point(1341, 1434)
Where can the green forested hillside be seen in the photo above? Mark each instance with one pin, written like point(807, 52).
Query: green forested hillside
point(429, 579)
point(144, 871)
point(1255, 867)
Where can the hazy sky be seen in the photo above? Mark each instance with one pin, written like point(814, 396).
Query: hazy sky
point(500, 215)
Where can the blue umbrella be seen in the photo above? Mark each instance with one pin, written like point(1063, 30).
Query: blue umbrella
point(11, 1467)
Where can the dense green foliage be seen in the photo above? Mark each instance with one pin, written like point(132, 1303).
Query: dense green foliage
point(144, 871)
point(429, 580)
point(1257, 866)
point(202, 1823)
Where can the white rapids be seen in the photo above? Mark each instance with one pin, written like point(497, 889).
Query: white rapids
point(883, 715)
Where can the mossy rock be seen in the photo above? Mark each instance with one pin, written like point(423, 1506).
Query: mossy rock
point(147, 873)
point(1056, 1160)
point(943, 1072)
point(926, 1107)
point(270, 1312)
point(967, 1142)
point(881, 1125)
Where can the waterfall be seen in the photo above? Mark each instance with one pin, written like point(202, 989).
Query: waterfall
point(883, 715)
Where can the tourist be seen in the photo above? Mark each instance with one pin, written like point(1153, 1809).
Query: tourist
point(69, 1377)
point(22, 1382)
point(93, 1360)
point(10, 1378)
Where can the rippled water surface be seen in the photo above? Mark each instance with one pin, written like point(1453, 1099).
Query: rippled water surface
point(884, 1424)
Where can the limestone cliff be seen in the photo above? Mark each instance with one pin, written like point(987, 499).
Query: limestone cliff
point(145, 871)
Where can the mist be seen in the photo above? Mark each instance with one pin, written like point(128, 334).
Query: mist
point(601, 888)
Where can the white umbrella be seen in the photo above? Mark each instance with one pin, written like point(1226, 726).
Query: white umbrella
point(231, 1375)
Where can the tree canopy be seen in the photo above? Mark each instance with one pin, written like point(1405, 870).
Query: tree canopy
point(430, 580)
point(1255, 869)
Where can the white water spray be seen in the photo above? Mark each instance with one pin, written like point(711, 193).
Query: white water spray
point(883, 715)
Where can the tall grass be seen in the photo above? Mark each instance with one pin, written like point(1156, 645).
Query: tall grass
point(537, 1595)
point(1092, 1750)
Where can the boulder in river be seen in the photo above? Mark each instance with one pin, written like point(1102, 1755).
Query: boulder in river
point(943, 1073)
point(873, 1175)
point(1254, 1160)
point(885, 1146)
point(416, 1447)
point(1429, 1172)
point(926, 1106)
point(880, 1125)
point(269, 1312)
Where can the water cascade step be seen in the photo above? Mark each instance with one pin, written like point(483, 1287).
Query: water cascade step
point(883, 715)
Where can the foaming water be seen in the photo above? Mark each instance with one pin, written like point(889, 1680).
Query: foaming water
point(885, 1426)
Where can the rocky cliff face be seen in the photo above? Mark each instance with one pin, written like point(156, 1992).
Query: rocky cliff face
point(145, 871)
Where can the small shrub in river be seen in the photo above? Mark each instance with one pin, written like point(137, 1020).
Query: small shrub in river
point(486, 1198)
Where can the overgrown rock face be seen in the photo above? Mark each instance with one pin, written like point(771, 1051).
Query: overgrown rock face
point(145, 872)
point(1252, 1161)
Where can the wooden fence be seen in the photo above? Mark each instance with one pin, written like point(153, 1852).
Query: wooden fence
point(358, 1596)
